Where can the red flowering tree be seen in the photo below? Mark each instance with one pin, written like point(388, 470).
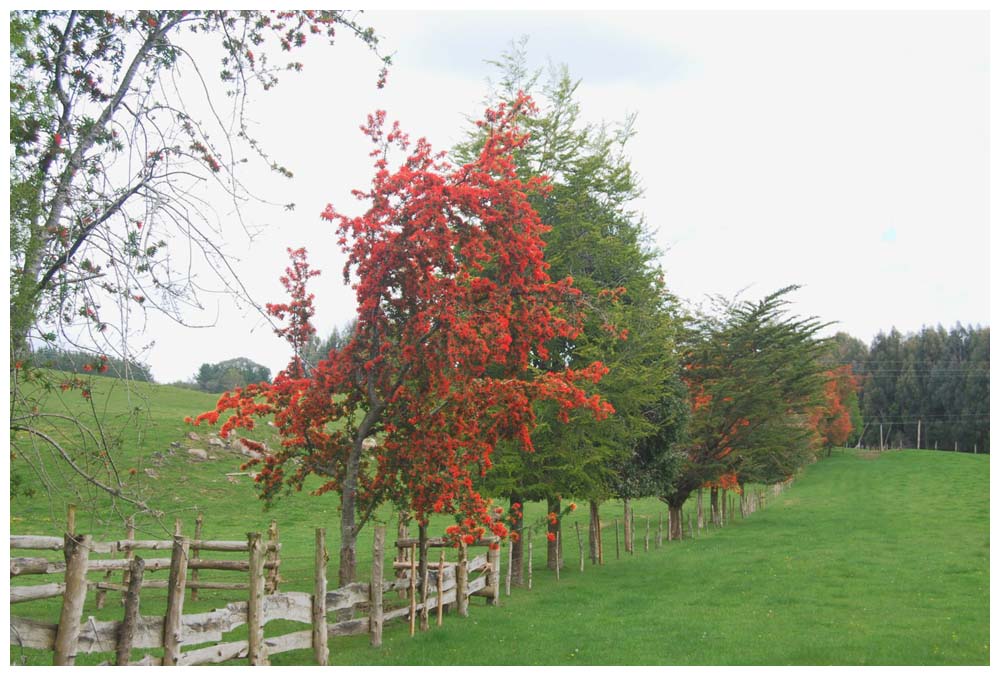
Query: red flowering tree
point(454, 304)
point(832, 419)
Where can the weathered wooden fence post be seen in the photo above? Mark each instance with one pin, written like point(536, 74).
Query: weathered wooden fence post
point(256, 653)
point(579, 541)
point(632, 540)
point(375, 589)
point(618, 551)
point(424, 575)
point(659, 531)
point(462, 581)
point(647, 534)
point(195, 552)
point(493, 574)
point(129, 552)
point(510, 566)
point(273, 557)
point(592, 530)
point(126, 632)
point(175, 601)
point(413, 590)
point(320, 640)
point(531, 551)
point(701, 512)
point(77, 551)
point(440, 588)
point(558, 552)
point(600, 543)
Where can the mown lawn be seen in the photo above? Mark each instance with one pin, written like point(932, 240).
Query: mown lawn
point(879, 560)
point(862, 561)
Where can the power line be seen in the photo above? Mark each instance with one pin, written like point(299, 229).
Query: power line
point(916, 372)
point(927, 422)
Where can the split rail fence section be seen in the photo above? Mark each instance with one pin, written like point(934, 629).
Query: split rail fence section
point(450, 583)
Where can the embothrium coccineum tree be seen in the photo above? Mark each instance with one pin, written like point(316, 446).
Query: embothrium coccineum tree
point(832, 419)
point(454, 302)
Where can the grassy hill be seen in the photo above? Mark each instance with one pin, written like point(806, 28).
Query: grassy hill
point(865, 560)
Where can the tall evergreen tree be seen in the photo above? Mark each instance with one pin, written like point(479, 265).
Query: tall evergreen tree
point(599, 241)
point(754, 374)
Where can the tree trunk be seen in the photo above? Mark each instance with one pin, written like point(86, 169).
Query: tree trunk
point(402, 526)
point(627, 505)
point(714, 498)
point(422, 574)
point(676, 527)
point(553, 553)
point(24, 304)
point(701, 511)
point(348, 538)
point(422, 552)
point(593, 534)
point(517, 544)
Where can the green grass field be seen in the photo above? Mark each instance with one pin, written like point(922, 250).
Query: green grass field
point(864, 560)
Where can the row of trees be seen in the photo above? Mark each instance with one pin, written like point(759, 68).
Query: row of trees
point(481, 368)
point(930, 389)
point(514, 338)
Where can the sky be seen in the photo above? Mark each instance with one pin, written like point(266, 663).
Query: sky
point(847, 152)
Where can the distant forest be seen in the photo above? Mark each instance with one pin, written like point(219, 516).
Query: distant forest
point(935, 384)
point(76, 361)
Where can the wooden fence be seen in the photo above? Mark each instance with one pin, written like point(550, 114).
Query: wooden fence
point(451, 584)
point(357, 608)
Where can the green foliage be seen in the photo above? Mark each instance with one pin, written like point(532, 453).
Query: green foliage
point(754, 375)
point(230, 374)
point(935, 378)
point(317, 348)
point(599, 241)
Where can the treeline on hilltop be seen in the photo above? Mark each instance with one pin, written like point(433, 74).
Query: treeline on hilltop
point(928, 390)
point(77, 361)
point(240, 371)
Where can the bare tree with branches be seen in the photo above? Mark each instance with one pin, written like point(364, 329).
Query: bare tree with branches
point(127, 171)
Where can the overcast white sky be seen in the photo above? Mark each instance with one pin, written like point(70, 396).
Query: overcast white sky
point(847, 152)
